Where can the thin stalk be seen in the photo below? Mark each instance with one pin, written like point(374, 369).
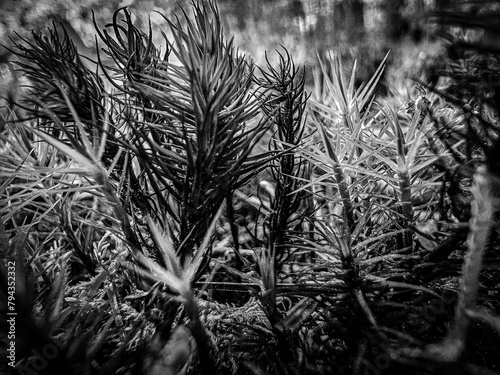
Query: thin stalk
point(200, 335)
point(340, 179)
point(482, 210)
point(406, 204)
point(404, 178)
point(234, 230)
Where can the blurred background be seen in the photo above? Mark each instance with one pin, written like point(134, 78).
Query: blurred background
point(353, 29)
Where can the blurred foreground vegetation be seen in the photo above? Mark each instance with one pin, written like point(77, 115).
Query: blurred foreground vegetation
point(185, 209)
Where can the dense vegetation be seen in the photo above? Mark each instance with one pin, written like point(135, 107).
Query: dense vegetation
point(182, 210)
